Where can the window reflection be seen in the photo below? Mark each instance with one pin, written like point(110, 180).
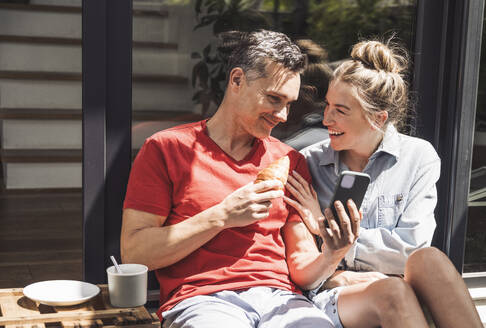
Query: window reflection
point(178, 43)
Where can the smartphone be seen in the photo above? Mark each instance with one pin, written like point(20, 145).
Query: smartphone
point(350, 185)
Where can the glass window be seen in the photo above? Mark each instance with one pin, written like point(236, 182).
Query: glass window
point(162, 43)
point(475, 254)
point(40, 134)
point(175, 49)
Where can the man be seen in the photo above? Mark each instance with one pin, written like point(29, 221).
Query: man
point(193, 213)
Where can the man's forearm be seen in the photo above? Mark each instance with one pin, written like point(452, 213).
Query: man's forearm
point(311, 269)
point(158, 247)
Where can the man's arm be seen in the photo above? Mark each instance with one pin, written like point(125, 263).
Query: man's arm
point(307, 266)
point(145, 240)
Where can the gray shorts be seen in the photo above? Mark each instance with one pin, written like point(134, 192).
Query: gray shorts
point(327, 301)
point(261, 307)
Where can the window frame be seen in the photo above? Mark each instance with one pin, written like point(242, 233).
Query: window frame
point(107, 115)
point(446, 71)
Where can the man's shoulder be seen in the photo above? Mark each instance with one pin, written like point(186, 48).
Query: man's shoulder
point(275, 145)
point(179, 133)
point(274, 142)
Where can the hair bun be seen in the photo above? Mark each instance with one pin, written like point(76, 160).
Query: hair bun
point(315, 53)
point(382, 57)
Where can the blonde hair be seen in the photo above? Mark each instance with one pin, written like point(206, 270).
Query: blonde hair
point(377, 71)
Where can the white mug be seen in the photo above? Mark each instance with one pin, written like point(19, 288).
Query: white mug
point(128, 288)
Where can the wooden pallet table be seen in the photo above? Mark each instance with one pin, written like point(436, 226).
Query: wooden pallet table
point(18, 311)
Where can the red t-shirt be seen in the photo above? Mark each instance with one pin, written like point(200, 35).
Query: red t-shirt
point(180, 172)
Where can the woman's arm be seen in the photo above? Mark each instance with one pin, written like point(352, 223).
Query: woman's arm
point(385, 250)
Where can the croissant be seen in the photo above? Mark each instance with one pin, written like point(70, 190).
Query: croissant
point(277, 170)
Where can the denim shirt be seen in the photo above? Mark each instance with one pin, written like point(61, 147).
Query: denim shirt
point(398, 208)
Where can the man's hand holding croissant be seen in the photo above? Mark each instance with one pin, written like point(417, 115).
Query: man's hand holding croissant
point(253, 201)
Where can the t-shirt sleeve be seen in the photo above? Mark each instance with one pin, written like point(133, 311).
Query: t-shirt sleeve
point(303, 170)
point(149, 186)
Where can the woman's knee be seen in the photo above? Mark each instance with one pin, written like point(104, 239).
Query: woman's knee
point(392, 294)
point(427, 255)
point(428, 262)
point(381, 301)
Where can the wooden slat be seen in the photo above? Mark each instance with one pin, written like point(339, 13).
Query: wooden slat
point(98, 312)
point(152, 44)
point(161, 13)
point(43, 190)
point(27, 258)
point(11, 292)
point(41, 155)
point(76, 323)
point(68, 316)
point(62, 197)
point(35, 233)
point(45, 156)
point(74, 9)
point(13, 205)
point(40, 114)
point(52, 244)
point(11, 259)
point(39, 40)
point(34, 75)
point(159, 78)
point(15, 276)
point(165, 115)
point(78, 42)
point(72, 76)
point(10, 308)
point(42, 8)
point(30, 218)
point(75, 114)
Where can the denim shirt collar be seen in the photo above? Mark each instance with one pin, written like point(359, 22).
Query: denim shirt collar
point(390, 144)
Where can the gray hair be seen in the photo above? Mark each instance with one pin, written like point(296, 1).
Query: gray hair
point(253, 51)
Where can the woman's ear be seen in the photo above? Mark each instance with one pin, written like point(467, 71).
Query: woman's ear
point(235, 78)
point(381, 118)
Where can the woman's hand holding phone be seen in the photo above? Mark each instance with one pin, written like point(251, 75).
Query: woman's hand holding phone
point(339, 235)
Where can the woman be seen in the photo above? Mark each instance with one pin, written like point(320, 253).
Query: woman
point(366, 102)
